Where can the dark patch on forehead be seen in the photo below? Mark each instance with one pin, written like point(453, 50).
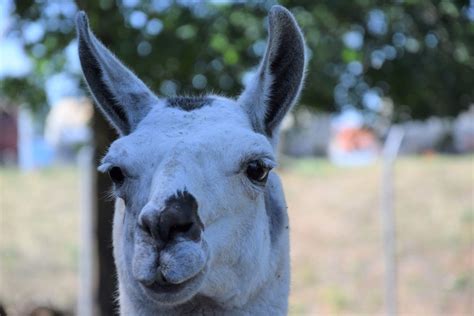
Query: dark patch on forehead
point(188, 103)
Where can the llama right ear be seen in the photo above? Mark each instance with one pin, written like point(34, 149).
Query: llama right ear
point(277, 83)
point(120, 95)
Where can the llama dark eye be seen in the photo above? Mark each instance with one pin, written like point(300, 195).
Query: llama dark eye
point(257, 171)
point(116, 175)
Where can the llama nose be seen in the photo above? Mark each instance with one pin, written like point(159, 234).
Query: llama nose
point(178, 219)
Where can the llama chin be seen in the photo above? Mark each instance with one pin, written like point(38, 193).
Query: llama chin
point(201, 223)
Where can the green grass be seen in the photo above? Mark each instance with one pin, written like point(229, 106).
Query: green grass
point(336, 244)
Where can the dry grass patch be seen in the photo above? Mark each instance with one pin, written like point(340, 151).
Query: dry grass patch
point(39, 232)
point(336, 237)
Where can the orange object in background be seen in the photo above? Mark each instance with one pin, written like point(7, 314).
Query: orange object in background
point(353, 139)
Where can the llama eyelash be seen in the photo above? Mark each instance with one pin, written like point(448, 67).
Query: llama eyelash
point(265, 158)
point(106, 166)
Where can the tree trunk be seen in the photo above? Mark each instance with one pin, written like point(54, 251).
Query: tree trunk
point(106, 283)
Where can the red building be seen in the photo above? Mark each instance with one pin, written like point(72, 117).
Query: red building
point(8, 136)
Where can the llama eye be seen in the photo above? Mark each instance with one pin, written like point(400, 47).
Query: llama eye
point(116, 175)
point(257, 171)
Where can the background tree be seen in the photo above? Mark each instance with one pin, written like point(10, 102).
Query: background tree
point(416, 53)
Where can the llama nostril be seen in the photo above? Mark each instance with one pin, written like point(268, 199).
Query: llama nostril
point(179, 218)
point(169, 230)
point(181, 228)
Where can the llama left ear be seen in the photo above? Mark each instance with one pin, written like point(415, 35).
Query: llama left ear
point(123, 98)
point(277, 83)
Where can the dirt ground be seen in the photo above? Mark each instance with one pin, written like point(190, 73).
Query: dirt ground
point(336, 242)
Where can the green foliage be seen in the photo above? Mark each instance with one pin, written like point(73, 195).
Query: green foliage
point(416, 52)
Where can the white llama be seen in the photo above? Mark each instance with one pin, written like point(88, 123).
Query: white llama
point(201, 224)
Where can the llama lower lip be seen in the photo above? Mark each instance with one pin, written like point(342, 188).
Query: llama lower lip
point(161, 286)
point(182, 261)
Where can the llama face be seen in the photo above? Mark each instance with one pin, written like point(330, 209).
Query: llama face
point(199, 213)
point(213, 156)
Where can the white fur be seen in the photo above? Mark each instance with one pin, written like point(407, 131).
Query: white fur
point(240, 265)
point(201, 150)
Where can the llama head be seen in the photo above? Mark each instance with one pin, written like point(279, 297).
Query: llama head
point(200, 208)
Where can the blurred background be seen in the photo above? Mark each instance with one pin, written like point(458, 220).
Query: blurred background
point(376, 160)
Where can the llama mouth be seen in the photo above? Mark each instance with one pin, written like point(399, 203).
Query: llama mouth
point(180, 273)
point(167, 294)
point(182, 261)
point(161, 285)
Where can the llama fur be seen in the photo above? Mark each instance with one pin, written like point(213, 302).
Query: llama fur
point(240, 263)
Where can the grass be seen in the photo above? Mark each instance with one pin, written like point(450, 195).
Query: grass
point(336, 245)
point(336, 237)
point(39, 233)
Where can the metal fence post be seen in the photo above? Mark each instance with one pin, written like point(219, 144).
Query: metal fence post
point(389, 155)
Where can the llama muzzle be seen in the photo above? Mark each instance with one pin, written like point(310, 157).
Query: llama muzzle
point(182, 261)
